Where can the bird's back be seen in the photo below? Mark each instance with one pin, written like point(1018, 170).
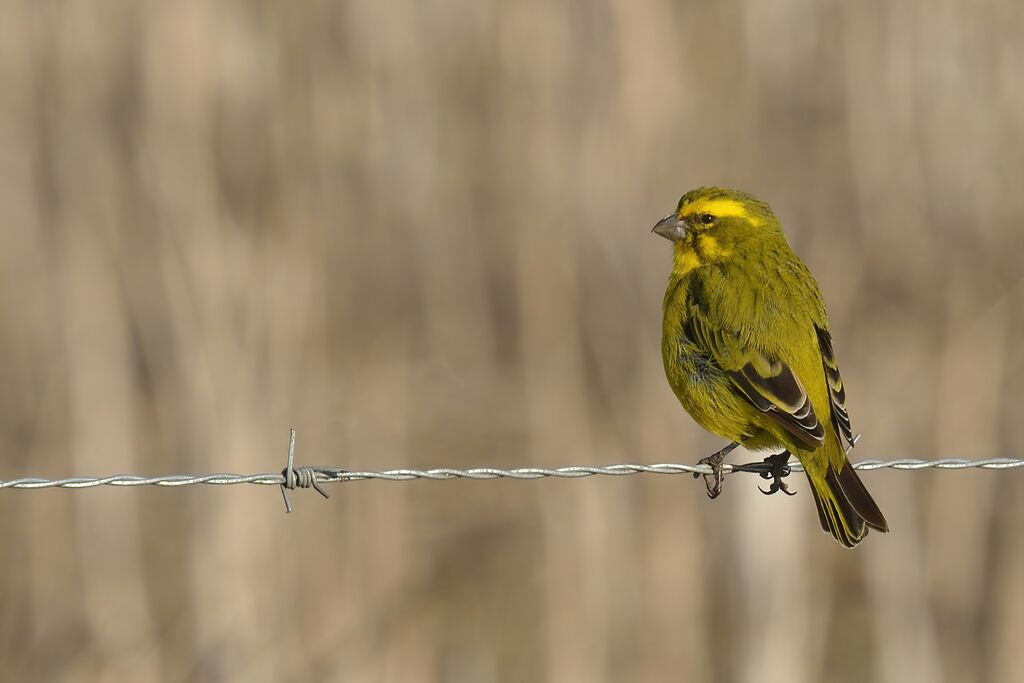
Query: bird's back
point(768, 305)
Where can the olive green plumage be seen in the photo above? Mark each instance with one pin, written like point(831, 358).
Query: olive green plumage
point(747, 350)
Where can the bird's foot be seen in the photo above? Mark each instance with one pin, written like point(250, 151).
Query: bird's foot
point(778, 468)
point(713, 481)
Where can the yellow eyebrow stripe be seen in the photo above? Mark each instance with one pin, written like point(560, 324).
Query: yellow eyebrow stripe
point(720, 208)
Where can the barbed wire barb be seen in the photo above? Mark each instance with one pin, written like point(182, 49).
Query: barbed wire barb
point(303, 477)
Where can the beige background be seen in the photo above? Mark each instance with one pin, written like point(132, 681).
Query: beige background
point(418, 232)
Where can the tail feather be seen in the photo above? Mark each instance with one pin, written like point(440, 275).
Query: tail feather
point(845, 508)
point(860, 499)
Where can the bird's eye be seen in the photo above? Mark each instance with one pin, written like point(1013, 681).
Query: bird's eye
point(707, 218)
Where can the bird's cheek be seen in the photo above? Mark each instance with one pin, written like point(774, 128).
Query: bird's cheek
point(712, 249)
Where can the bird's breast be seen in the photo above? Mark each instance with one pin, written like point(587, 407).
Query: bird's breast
point(701, 385)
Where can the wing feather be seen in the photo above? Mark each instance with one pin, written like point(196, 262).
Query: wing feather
point(836, 390)
point(768, 383)
point(783, 398)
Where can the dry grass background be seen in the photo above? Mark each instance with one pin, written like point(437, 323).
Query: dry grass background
point(418, 233)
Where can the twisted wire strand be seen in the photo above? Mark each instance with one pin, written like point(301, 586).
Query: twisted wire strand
point(332, 474)
point(292, 477)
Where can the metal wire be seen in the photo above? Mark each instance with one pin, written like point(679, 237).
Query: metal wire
point(326, 475)
point(305, 477)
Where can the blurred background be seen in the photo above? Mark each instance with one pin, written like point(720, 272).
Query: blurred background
point(418, 232)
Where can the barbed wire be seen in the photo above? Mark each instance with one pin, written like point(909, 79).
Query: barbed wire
point(292, 477)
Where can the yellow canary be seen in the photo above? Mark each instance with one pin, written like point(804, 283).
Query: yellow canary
point(747, 350)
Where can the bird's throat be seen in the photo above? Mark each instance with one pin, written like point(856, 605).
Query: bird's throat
point(692, 253)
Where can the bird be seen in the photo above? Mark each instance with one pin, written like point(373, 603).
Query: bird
point(747, 351)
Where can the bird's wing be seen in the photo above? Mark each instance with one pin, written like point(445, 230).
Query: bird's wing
point(836, 390)
point(768, 383)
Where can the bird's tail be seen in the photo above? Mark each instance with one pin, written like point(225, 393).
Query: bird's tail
point(845, 508)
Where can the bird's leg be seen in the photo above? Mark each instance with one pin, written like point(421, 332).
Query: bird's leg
point(713, 481)
point(778, 465)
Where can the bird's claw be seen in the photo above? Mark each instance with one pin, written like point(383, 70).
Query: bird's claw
point(713, 481)
point(778, 469)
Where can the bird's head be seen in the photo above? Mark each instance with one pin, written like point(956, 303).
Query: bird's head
point(711, 222)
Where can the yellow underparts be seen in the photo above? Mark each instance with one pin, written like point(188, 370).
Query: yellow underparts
point(691, 254)
point(684, 259)
point(719, 208)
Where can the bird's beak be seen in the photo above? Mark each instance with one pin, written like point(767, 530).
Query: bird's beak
point(671, 227)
